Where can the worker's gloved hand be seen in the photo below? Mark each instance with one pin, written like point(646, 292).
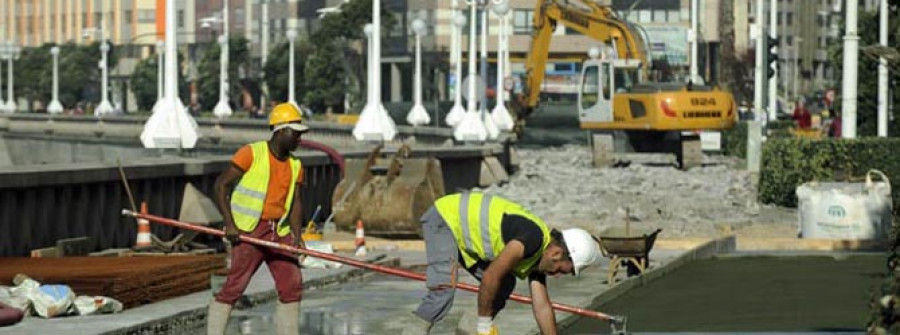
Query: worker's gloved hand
point(486, 326)
point(232, 233)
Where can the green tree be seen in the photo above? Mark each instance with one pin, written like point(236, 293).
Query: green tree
point(867, 72)
point(208, 72)
point(325, 78)
point(34, 76)
point(79, 77)
point(144, 83)
point(275, 71)
point(337, 66)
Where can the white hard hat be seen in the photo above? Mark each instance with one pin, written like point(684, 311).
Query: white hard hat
point(583, 249)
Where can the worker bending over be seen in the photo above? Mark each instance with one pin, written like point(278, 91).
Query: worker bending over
point(496, 240)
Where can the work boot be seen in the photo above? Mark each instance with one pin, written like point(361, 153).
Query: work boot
point(217, 318)
point(287, 318)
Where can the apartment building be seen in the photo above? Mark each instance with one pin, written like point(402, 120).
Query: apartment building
point(806, 29)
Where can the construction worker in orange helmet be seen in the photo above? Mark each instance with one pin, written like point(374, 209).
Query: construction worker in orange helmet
point(259, 196)
point(496, 240)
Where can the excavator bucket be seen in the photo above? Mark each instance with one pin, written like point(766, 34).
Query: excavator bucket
point(387, 194)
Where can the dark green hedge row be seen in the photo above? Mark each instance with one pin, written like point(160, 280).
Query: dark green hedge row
point(734, 140)
point(789, 162)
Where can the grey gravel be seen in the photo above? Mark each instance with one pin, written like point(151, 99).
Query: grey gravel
point(560, 185)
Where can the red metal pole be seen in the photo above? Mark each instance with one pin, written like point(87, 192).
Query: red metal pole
point(360, 264)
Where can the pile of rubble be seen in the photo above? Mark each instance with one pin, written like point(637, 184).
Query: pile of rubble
point(560, 185)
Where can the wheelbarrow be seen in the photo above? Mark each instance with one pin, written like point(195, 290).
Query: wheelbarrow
point(627, 247)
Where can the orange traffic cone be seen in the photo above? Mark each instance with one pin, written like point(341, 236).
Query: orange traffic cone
point(143, 235)
point(360, 239)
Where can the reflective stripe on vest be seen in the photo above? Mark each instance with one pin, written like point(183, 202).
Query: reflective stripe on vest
point(476, 219)
point(249, 196)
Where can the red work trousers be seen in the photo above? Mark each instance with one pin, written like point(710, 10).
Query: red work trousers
point(246, 259)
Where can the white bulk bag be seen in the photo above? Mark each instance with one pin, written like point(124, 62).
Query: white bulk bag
point(844, 210)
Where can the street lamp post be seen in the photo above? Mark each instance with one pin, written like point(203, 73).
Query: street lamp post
point(170, 126)
point(55, 106)
point(375, 124)
point(471, 128)
point(492, 131)
point(418, 115)
point(12, 51)
point(160, 76)
point(105, 107)
point(222, 109)
point(500, 114)
point(457, 111)
point(291, 36)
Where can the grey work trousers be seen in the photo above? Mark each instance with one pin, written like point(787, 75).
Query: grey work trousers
point(443, 253)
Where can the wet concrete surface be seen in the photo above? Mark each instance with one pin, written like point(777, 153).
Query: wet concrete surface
point(382, 304)
point(356, 308)
point(753, 293)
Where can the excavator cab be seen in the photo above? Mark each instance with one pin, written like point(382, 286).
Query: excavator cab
point(601, 80)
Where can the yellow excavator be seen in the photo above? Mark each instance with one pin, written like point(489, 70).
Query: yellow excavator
point(623, 111)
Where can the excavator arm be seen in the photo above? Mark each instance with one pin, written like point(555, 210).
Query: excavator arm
point(589, 19)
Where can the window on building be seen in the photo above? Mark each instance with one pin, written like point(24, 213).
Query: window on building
point(645, 16)
point(238, 16)
point(789, 40)
point(522, 19)
point(659, 16)
point(632, 16)
point(398, 29)
point(127, 16)
point(179, 17)
point(146, 16)
point(674, 16)
point(789, 20)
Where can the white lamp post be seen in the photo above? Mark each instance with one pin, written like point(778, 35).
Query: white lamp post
point(160, 76)
point(500, 114)
point(222, 109)
point(374, 122)
point(55, 106)
point(105, 107)
point(368, 29)
point(291, 35)
point(485, 115)
point(418, 115)
point(170, 126)
point(12, 52)
point(471, 128)
point(457, 111)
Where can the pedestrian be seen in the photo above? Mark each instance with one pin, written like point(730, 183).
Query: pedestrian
point(835, 128)
point(802, 115)
point(496, 240)
point(259, 196)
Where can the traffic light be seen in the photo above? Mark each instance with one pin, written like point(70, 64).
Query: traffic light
point(772, 57)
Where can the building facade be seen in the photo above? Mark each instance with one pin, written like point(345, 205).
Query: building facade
point(806, 29)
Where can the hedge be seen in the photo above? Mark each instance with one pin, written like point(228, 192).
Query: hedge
point(790, 162)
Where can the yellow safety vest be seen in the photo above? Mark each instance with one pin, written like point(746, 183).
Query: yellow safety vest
point(249, 196)
point(475, 219)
